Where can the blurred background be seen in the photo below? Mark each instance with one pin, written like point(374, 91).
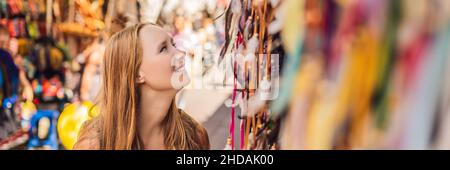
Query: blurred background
point(265, 74)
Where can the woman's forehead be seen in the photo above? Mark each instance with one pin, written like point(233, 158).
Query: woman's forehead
point(154, 31)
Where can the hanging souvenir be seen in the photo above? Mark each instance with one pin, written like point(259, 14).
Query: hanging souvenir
point(28, 109)
point(292, 35)
point(11, 73)
point(43, 133)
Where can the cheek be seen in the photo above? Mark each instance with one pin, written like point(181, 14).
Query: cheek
point(157, 71)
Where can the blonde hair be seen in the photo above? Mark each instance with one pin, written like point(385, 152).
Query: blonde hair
point(118, 101)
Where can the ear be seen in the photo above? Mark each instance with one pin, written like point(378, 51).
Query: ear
point(140, 77)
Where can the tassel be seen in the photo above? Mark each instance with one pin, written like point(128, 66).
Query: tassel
point(228, 145)
point(252, 45)
point(236, 6)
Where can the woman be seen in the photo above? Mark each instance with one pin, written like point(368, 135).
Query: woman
point(137, 97)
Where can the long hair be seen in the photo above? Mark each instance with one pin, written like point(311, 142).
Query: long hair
point(118, 100)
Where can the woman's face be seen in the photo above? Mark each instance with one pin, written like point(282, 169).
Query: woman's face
point(162, 65)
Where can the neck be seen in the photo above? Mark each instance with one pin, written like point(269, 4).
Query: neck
point(153, 108)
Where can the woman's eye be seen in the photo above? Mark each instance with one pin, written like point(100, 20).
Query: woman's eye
point(164, 48)
point(174, 44)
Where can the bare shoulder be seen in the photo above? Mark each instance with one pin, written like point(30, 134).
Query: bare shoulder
point(88, 138)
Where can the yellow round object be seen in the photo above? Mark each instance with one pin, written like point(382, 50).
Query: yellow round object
point(71, 119)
